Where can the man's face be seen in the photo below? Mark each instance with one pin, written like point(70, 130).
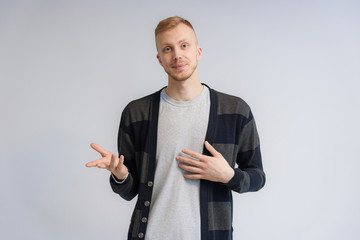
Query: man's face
point(178, 52)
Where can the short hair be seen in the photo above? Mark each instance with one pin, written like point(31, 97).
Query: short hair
point(170, 23)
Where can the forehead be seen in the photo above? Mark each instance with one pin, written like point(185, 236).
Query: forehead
point(178, 33)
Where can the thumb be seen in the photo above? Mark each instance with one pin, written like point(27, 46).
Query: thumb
point(121, 159)
point(211, 149)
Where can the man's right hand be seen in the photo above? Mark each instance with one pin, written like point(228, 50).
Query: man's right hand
point(110, 162)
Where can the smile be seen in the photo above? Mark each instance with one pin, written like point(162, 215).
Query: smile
point(178, 67)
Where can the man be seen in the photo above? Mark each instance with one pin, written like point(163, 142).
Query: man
point(178, 148)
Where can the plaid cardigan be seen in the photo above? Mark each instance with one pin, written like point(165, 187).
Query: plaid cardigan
point(232, 132)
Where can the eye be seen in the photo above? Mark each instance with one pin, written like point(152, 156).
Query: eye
point(185, 45)
point(167, 49)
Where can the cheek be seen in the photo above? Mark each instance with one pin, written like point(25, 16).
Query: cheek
point(196, 56)
point(165, 60)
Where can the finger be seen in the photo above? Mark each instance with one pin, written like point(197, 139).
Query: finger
point(211, 149)
point(193, 176)
point(190, 169)
point(102, 165)
point(189, 161)
point(96, 162)
point(194, 154)
point(114, 162)
point(99, 149)
point(89, 164)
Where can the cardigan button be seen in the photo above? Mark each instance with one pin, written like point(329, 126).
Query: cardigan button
point(144, 220)
point(150, 183)
point(147, 203)
point(140, 235)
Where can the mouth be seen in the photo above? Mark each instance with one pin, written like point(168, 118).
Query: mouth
point(179, 67)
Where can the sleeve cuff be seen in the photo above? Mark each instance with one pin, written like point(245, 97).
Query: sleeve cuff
point(117, 180)
point(237, 182)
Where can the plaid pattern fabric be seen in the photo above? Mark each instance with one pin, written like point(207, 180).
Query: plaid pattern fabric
point(231, 130)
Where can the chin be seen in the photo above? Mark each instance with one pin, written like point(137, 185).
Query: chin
point(180, 78)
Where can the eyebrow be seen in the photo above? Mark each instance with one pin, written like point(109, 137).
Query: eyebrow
point(182, 40)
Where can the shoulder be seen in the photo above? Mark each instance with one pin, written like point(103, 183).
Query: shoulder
point(140, 104)
point(139, 109)
point(229, 104)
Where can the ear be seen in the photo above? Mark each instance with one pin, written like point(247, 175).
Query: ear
point(158, 58)
point(199, 53)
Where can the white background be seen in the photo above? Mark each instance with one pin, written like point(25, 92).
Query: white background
point(68, 68)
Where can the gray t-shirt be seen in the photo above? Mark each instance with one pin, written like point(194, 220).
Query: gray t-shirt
point(175, 208)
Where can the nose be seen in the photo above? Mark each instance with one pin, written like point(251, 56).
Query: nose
point(177, 54)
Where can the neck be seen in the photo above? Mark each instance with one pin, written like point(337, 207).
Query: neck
point(184, 90)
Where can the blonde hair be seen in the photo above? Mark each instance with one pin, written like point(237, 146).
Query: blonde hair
point(170, 23)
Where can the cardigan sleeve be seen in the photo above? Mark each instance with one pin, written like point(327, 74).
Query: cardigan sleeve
point(249, 175)
point(129, 188)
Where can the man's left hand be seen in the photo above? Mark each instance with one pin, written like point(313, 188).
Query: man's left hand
point(214, 168)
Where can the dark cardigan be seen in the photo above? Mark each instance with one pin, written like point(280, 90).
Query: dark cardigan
point(231, 131)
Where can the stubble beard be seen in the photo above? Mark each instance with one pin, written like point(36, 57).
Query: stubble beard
point(180, 76)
